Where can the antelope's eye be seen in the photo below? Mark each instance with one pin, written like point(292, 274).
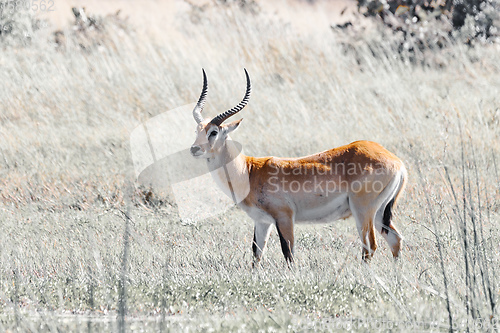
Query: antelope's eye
point(212, 134)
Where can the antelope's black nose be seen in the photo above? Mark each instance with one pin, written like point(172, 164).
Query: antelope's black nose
point(195, 150)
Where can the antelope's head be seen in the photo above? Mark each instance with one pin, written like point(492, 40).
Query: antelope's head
point(211, 134)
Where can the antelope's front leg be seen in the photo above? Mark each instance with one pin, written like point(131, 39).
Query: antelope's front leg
point(284, 224)
point(260, 237)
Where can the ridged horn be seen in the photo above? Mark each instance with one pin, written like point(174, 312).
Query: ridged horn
point(201, 101)
point(223, 116)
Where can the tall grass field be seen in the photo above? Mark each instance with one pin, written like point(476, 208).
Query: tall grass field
point(83, 248)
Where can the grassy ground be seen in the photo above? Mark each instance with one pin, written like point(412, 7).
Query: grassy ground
point(80, 245)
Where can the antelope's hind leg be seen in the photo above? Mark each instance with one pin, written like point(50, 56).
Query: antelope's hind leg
point(364, 222)
point(383, 223)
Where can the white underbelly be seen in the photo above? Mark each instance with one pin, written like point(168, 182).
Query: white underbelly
point(323, 210)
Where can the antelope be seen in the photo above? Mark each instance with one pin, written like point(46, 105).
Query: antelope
point(361, 179)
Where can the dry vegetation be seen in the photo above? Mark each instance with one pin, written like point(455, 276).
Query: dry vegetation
point(82, 249)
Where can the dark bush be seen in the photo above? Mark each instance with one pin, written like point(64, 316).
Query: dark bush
point(480, 19)
point(17, 23)
point(89, 32)
point(421, 30)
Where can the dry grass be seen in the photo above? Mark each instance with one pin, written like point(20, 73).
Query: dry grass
point(67, 176)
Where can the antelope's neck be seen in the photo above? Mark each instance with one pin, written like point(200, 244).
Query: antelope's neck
point(230, 171)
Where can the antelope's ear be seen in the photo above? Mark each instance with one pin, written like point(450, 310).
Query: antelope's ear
point(231, 126)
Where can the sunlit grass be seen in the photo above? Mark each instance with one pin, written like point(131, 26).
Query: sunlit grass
point(67, 177)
